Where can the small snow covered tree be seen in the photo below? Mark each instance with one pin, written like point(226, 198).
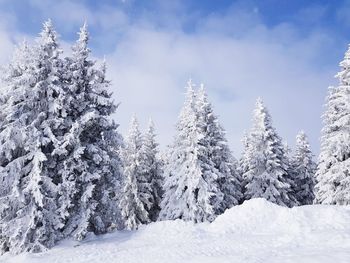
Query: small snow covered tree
point(243, 164)
point(290, 172)
point(303, 168)
point(333, 171)
point(89, 167)
point(28, 190)
point(264, 162)
point(151, 172)
point(200, 180)
point(136, 194)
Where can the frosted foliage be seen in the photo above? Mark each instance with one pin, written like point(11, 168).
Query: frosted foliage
point(200, 177)
point(224, 165)
point(303, 169)
point(28, 192)
point(264, 163)
point(333, 174)
point(136, 195)
point(151, 172)
point(59, 165)
point(90, 169)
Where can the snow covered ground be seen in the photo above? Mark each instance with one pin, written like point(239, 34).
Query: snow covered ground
point(257, 231)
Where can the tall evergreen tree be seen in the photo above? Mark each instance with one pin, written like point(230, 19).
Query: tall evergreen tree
point(304, 169)
point(218, 154)
point(89, 167)
point(136, 195)
point(333, 171)
point(265, 163)
point(28, 218)
point(199, 176)
point(182, 171)
point(152, 172)
point(59, 162)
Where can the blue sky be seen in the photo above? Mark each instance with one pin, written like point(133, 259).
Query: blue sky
point(286, 52)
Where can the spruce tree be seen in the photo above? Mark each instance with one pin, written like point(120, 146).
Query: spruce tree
point(199, 176)
point(243, 164)
point(291, 173)
point(304, 169)
point(182, 172)
point(136, 194)
point(265, 164)
point(152, 172)
point(218, 154)
point(28, 192)
point(89, 167)
point(333, 171)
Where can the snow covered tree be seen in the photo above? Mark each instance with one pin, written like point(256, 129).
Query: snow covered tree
point(136, 195)
point(200, 179)
point(243, 164)
point(28, 219)
point(182, 172)
point(89, 167)
point(151, 172)
point(264, 162)
point(218, 154)
point(290, 171)
point(303, 168)
point(333, 171)
point(59, 161)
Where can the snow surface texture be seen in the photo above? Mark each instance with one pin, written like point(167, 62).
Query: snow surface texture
point(257, 231)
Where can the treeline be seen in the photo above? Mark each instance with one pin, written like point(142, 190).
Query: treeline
point(66, 172)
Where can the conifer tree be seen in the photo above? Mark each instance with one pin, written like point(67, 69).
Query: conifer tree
point(90, 167)
point(182, 172)
point(303, 168)
point(243, 164)
point(59, 162)
point(152, 172)
point(28, 192)
point(218, 154)
point(265, 164)
point(333, 171)
point(136, 195)
point(199, 175)
point(291, 173)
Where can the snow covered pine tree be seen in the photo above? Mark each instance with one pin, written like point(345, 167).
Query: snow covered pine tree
point(152, 172)
point(200, 180)
point(89, 167)
point(59, 165)
point(333, 171)
point(136, 195)
point(225, 166)
point(303, 169)
point(264, 162)
point(28, 191)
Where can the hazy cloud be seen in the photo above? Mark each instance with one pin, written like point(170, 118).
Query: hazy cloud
point(150, 67)
point(238, 57)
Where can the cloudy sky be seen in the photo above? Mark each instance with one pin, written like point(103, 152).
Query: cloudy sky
point(286, 52)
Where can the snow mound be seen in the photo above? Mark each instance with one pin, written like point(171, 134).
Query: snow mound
point(256, 231)
point(262, 217)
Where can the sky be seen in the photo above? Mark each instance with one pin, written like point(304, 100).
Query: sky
point(286, 52)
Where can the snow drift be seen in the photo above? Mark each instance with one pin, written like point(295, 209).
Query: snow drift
point(256, 231)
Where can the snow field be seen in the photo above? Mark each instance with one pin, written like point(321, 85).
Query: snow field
point(256, 231)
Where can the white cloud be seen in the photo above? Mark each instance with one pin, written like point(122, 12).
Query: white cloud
point(233, 53)
point(71, 14)
point(150, 67)
point(8, 36)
